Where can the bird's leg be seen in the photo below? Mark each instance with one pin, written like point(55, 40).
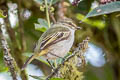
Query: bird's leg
point(51, 65)
point(55, 63)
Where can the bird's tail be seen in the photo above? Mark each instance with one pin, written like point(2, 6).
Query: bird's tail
point(27, 62)
point(33, 57)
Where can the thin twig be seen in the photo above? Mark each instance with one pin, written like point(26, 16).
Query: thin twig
point(52, 17)
point(21, 27)
point(50, 13)
point(47, 13)
point(61, 13)
point(17, 51)
point(15, 48)
point(7, 56)
point(79, 50)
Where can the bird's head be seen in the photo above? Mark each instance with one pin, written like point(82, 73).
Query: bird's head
point(69, 22)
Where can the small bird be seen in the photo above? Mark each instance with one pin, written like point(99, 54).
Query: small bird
point(56, 41)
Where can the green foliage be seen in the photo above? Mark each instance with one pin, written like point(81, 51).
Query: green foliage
point(39, 1)
point(89, 75)
point(42, 26)
point(84, 5)
point(38, 77)
point(56, 79)
point(2, 15)
point(92, 73)
point(96, 23)
point(43, 78)
point(3, 68)
point(43, 60)
point(54, 1)
point(108, 73)
point(105, 9)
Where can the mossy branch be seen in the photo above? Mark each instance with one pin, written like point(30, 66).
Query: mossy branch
point(9, 61)
point(71, 63)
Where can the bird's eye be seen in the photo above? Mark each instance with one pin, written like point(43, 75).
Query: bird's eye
point(72, 25)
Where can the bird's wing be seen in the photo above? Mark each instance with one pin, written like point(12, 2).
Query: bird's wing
point(51, 37)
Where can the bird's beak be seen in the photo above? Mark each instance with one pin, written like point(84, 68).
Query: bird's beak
point(78, 28)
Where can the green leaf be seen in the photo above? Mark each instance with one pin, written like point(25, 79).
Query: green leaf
point(38, 77)
point(56, 79)
point(43, 60)
point(43, 78)
point(3, 68)
point(94, 23)
point(2, 15)
point(55, 1)
point(105, 9)
point(42, 26)
point(43, 22)
point(39, 1)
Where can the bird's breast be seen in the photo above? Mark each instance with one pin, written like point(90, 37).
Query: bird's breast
point(61, 48)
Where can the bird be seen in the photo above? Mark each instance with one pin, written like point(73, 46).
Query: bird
point(56, 41)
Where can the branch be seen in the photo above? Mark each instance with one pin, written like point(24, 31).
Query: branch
point(116, 25)
point(21, 27)
point(23, 41)
point(17, 52)
point(61, 12)
point(52, 17)
point(47, 13)
point(82, 47)
point(7, 56)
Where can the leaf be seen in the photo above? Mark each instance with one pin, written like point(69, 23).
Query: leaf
point(105, 9)
point(38, 77)
point(43, 60)
point(43, 78)
point(42, 26)
point(3, 68)
point(39, 1)
point(56, 79)
point(94, 23)
point(43, 22)
point(55, 1)
point(2, 15)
